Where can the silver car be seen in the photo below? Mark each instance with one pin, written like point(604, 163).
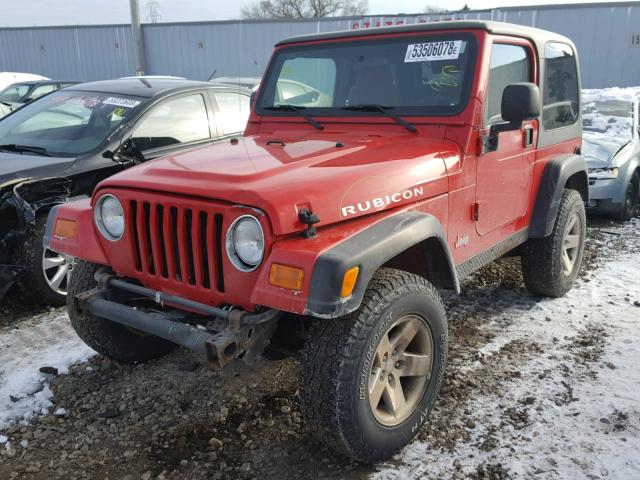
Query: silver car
point(611, 146)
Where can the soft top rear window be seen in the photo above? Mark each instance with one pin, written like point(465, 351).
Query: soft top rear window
point(418, 75)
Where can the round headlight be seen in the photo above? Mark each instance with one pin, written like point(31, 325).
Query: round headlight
point(109, 217)
point(245, 243)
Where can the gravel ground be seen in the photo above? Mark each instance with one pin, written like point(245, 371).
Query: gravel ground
point(174, 419)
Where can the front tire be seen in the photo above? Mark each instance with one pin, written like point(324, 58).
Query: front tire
point(108, 338)
point(631, 199)
point(47, 277)
point(550, 265)
point(369, 380)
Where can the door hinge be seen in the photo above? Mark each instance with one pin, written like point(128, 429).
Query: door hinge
point(475, 212)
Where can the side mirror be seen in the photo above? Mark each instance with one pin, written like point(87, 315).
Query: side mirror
point(127, 152)
point(252, 97)
point(520, 102)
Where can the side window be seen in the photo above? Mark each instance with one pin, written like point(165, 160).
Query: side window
point(42, 90)
point(171, 122)
point(509, 64)
point(14, 93)
point(233, 112)
point(560, 96)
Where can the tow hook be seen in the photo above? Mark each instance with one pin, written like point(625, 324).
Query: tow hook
point(247, 343)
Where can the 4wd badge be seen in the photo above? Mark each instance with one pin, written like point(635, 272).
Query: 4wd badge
point(461, 241)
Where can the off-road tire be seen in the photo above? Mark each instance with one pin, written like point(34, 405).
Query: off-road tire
point(33, 281)
point(337, 360)
point(631, 199)
point(542, 266)
point(108, 338)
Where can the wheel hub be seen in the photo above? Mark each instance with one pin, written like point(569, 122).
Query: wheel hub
point(56, 269)
point(400, 370)
point(571, 244)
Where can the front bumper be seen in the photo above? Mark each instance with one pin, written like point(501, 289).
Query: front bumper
point(222, 335)
point(606, 196)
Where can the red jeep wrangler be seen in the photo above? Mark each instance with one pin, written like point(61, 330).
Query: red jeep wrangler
point(377, 167)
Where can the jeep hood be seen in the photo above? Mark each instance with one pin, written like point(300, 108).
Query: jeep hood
point(337, 175)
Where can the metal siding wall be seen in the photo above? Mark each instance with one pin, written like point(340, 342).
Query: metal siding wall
point(602, 34)
point(74, 53)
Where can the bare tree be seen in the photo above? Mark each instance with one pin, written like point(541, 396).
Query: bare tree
point(289, 9)
point(432, 9)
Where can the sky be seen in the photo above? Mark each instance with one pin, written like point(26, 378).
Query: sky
point(82, 12)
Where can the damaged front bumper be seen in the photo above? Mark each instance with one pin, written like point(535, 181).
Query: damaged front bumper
point(20, 203)
point(222, 334)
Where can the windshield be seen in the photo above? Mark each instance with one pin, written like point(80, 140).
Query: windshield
point(67, 123)
point(426, 75)
point(15, 92)
point(611, 117)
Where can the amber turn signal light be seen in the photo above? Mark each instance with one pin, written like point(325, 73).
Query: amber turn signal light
point(349, 281)
point(285, 276)
point(65, 228)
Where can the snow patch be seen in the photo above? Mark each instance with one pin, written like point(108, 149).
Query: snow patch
point(45, 340)
point(585, 420)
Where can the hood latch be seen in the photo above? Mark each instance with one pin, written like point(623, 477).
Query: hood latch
point(309, 219)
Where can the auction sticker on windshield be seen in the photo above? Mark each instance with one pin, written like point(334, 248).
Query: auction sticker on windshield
point(424, 52)
point(121, 102)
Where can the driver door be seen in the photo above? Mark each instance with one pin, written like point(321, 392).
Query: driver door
point(504, 176)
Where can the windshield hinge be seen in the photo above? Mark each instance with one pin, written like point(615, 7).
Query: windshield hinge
point(309, 219)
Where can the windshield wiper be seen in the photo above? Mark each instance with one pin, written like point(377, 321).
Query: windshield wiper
point(13, 147)
point(385, 111)
point(298, 110)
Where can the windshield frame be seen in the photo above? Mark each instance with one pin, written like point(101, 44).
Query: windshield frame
point(268, 86)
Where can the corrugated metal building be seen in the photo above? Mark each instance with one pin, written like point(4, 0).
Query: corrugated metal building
point(606, 34)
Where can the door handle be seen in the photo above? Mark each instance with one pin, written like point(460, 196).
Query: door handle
point(527, 137)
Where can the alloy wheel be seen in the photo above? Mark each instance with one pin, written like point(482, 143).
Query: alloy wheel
point(400, 370)
point(56, 269)
point(571, 244)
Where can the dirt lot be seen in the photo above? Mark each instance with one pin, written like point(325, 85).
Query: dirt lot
point(534, 388)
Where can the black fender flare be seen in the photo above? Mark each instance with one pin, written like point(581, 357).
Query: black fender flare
point(560, 172)
point(369, 250)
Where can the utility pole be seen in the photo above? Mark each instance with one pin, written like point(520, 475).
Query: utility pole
point(138, 41)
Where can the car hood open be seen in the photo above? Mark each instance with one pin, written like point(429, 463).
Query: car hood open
point(338, 175)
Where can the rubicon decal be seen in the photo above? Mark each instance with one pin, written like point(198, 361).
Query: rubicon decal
point(382, 202)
